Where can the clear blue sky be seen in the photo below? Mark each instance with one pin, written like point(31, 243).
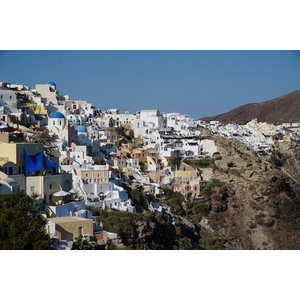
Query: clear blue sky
point(199, 83)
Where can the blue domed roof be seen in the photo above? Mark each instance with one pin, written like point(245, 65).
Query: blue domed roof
point(57, 115)
point(95, 128)
point(52, 83)
point(81, 128)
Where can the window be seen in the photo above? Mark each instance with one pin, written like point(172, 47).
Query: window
point(32, 189)
point(50, 186)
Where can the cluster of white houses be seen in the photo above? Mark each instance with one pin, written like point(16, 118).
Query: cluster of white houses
point(79, 131)
point(259, 136)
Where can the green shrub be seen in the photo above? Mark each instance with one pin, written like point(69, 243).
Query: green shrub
point(185, 244)
point(174, 200)
point(99, 160)
point(200, 208)
point(209, 242)
point(173, 161)
point(131, 134)
point(216, 182)
point(207, 192)
point(203, 164)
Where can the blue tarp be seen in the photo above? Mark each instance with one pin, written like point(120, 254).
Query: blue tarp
point(48, 163)
point(34, 162)
point(30, 165)
point(37, 159)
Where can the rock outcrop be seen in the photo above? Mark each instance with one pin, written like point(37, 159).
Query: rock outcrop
point(263, 198)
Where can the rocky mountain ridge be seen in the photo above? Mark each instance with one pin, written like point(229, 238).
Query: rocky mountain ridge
point(283, 109)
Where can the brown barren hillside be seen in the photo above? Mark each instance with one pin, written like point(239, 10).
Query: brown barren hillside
point(283, 109)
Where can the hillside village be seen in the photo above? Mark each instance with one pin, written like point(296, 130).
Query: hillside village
point(73, 157)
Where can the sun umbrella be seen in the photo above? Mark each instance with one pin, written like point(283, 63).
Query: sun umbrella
point(61, 193)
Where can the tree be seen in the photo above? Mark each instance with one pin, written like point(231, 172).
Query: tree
point(21, 225)
point(118, 143)
point(142, 166)
point(135, 196)
point(173, 161)
point(131, 134)
point(175, 200)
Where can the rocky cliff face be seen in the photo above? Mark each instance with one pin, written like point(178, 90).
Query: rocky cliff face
point(251, 202)
point(262, 198)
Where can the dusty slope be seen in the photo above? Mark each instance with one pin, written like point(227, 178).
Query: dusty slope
point(263, 204)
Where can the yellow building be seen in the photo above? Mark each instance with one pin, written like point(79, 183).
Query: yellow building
point(12, 156)
point(127, 152)
point(35, 109)
point(188, 176)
